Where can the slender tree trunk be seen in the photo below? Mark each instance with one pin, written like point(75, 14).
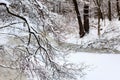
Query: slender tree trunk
point(99, 17)
point(98, 3)
point(86, 18)
point(101, 14)
point(109, 10)
point(81, 28)
point(118, 8)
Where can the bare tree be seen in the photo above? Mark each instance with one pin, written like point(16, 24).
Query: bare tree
point(98, 4)
point(81, 28)
point(86, 16)
point(109, 10)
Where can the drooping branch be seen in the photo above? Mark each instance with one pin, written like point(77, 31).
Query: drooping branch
point(39, 47)
point(30, 32)
point(21, 17)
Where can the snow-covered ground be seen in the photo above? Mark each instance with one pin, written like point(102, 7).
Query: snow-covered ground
point(102, 66)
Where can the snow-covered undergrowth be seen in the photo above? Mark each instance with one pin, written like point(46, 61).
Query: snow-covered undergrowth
point(108, 41)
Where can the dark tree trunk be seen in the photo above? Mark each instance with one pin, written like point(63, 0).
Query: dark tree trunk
point(99, 17)
point(81, 28)
point(86, 18)
point(109, 10)
point(98, 4)
point(101, 14)
point(118, 8)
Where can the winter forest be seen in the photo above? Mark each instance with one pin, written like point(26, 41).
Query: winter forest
point(59, 39)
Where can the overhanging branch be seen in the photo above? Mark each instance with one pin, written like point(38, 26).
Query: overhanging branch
point(21, 17)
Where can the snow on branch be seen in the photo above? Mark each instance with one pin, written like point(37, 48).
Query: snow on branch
point(21, 17)
point(38, 56)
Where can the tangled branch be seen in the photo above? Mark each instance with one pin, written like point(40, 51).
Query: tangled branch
point(37, 57)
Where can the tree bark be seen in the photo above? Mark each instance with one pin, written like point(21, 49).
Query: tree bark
point(99, 13)
point(81, 28)
point(99, 17)
point(118, 8)
point(86, 18)
point(109, 10)
point(98, 4)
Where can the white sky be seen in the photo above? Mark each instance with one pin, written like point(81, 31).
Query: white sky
point(106, 66)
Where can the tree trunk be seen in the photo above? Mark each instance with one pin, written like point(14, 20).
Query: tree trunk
point(86, 18)
point(109, 10)
point(99, 16)
point(99, 13)
point(81, 28)
point(98, 4)
point(118, 8)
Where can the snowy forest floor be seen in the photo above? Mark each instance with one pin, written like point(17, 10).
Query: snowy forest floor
point(108, 42)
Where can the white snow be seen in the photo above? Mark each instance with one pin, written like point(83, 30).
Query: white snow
point(3, 39)
point(104, 66)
